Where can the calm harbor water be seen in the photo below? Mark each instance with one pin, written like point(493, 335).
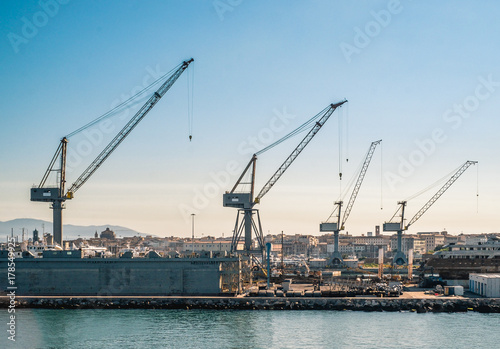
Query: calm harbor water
point(133, 328)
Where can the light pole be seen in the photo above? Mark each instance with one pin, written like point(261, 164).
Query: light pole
point(192, 232)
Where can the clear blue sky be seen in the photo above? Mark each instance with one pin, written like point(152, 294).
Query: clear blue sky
point(423, 76)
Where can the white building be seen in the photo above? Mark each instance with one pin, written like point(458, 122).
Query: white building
point(432, 240)
point(486, 285)
point(318, 263)
point(372, 240)
point(474, 240)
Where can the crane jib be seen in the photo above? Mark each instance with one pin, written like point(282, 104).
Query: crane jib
point(61, 150)
point(359, 181)
point(440, 192)
point(127, 129)
point(305, 141)
point(391, 226)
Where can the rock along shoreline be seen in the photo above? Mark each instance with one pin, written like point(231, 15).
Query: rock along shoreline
point(447, 305)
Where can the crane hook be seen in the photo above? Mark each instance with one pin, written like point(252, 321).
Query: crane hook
point(190, 137)
point(340, 175)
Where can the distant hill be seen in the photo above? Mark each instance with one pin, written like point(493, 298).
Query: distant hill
point(69, 231)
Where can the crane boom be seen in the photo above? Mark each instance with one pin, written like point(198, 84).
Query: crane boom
point(106, 152)
point(310, 135)
point(440, 192)
point(357, 186)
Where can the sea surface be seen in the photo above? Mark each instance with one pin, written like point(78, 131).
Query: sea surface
point(149, 328)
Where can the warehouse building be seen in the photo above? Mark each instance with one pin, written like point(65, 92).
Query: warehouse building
point(486, 285)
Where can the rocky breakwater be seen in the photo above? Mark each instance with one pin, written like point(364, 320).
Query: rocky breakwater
point(483, 305)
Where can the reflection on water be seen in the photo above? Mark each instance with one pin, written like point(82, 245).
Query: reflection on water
point(148, 328)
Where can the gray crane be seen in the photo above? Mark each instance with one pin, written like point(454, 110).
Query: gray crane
point(399, 227)
point(57, 195)
point(336, 227)
point(245, 202)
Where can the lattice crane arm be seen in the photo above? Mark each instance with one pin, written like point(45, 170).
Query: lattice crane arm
point(440, 192)
point(252, 163)
point(52, 163)
point(357, 186)
point(310, 135)
point(106, 152)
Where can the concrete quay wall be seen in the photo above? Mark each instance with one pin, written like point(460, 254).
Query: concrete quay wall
point(117, 276)
point(482, 305)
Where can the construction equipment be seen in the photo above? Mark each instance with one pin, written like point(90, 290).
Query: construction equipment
point(336, 227)
point(244, 201)
point(57, 194)
point(399, 227)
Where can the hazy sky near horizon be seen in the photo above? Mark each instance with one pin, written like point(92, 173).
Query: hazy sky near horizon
point(423, 76)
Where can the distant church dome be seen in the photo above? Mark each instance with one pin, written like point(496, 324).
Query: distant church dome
point(108, 234)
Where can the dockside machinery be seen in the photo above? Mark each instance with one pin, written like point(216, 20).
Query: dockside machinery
point(244, 201)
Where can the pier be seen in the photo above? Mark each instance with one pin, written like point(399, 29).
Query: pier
point(413, 301)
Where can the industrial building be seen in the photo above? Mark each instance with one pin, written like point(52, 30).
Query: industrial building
point(486, 285)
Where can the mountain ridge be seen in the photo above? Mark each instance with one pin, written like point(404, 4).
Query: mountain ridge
point(70, 231)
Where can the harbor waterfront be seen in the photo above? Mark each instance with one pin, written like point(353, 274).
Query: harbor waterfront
point(249, 174)
point(147, 328)
point(419, 304)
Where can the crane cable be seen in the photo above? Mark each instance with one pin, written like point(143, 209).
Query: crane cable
point(439, 181)
point(340, 120)
point(295, 132)
point(381, 176)
point(352, 180)
point(343, 138)
point(347, 134)
point(348, 187)
point(124, 104)
point(190, 87)
point(477, 188)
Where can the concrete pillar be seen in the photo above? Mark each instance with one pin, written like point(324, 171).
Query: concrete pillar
point(57, 207)
point(248, 229)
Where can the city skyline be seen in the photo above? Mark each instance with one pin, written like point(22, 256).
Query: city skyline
point(423, 77)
